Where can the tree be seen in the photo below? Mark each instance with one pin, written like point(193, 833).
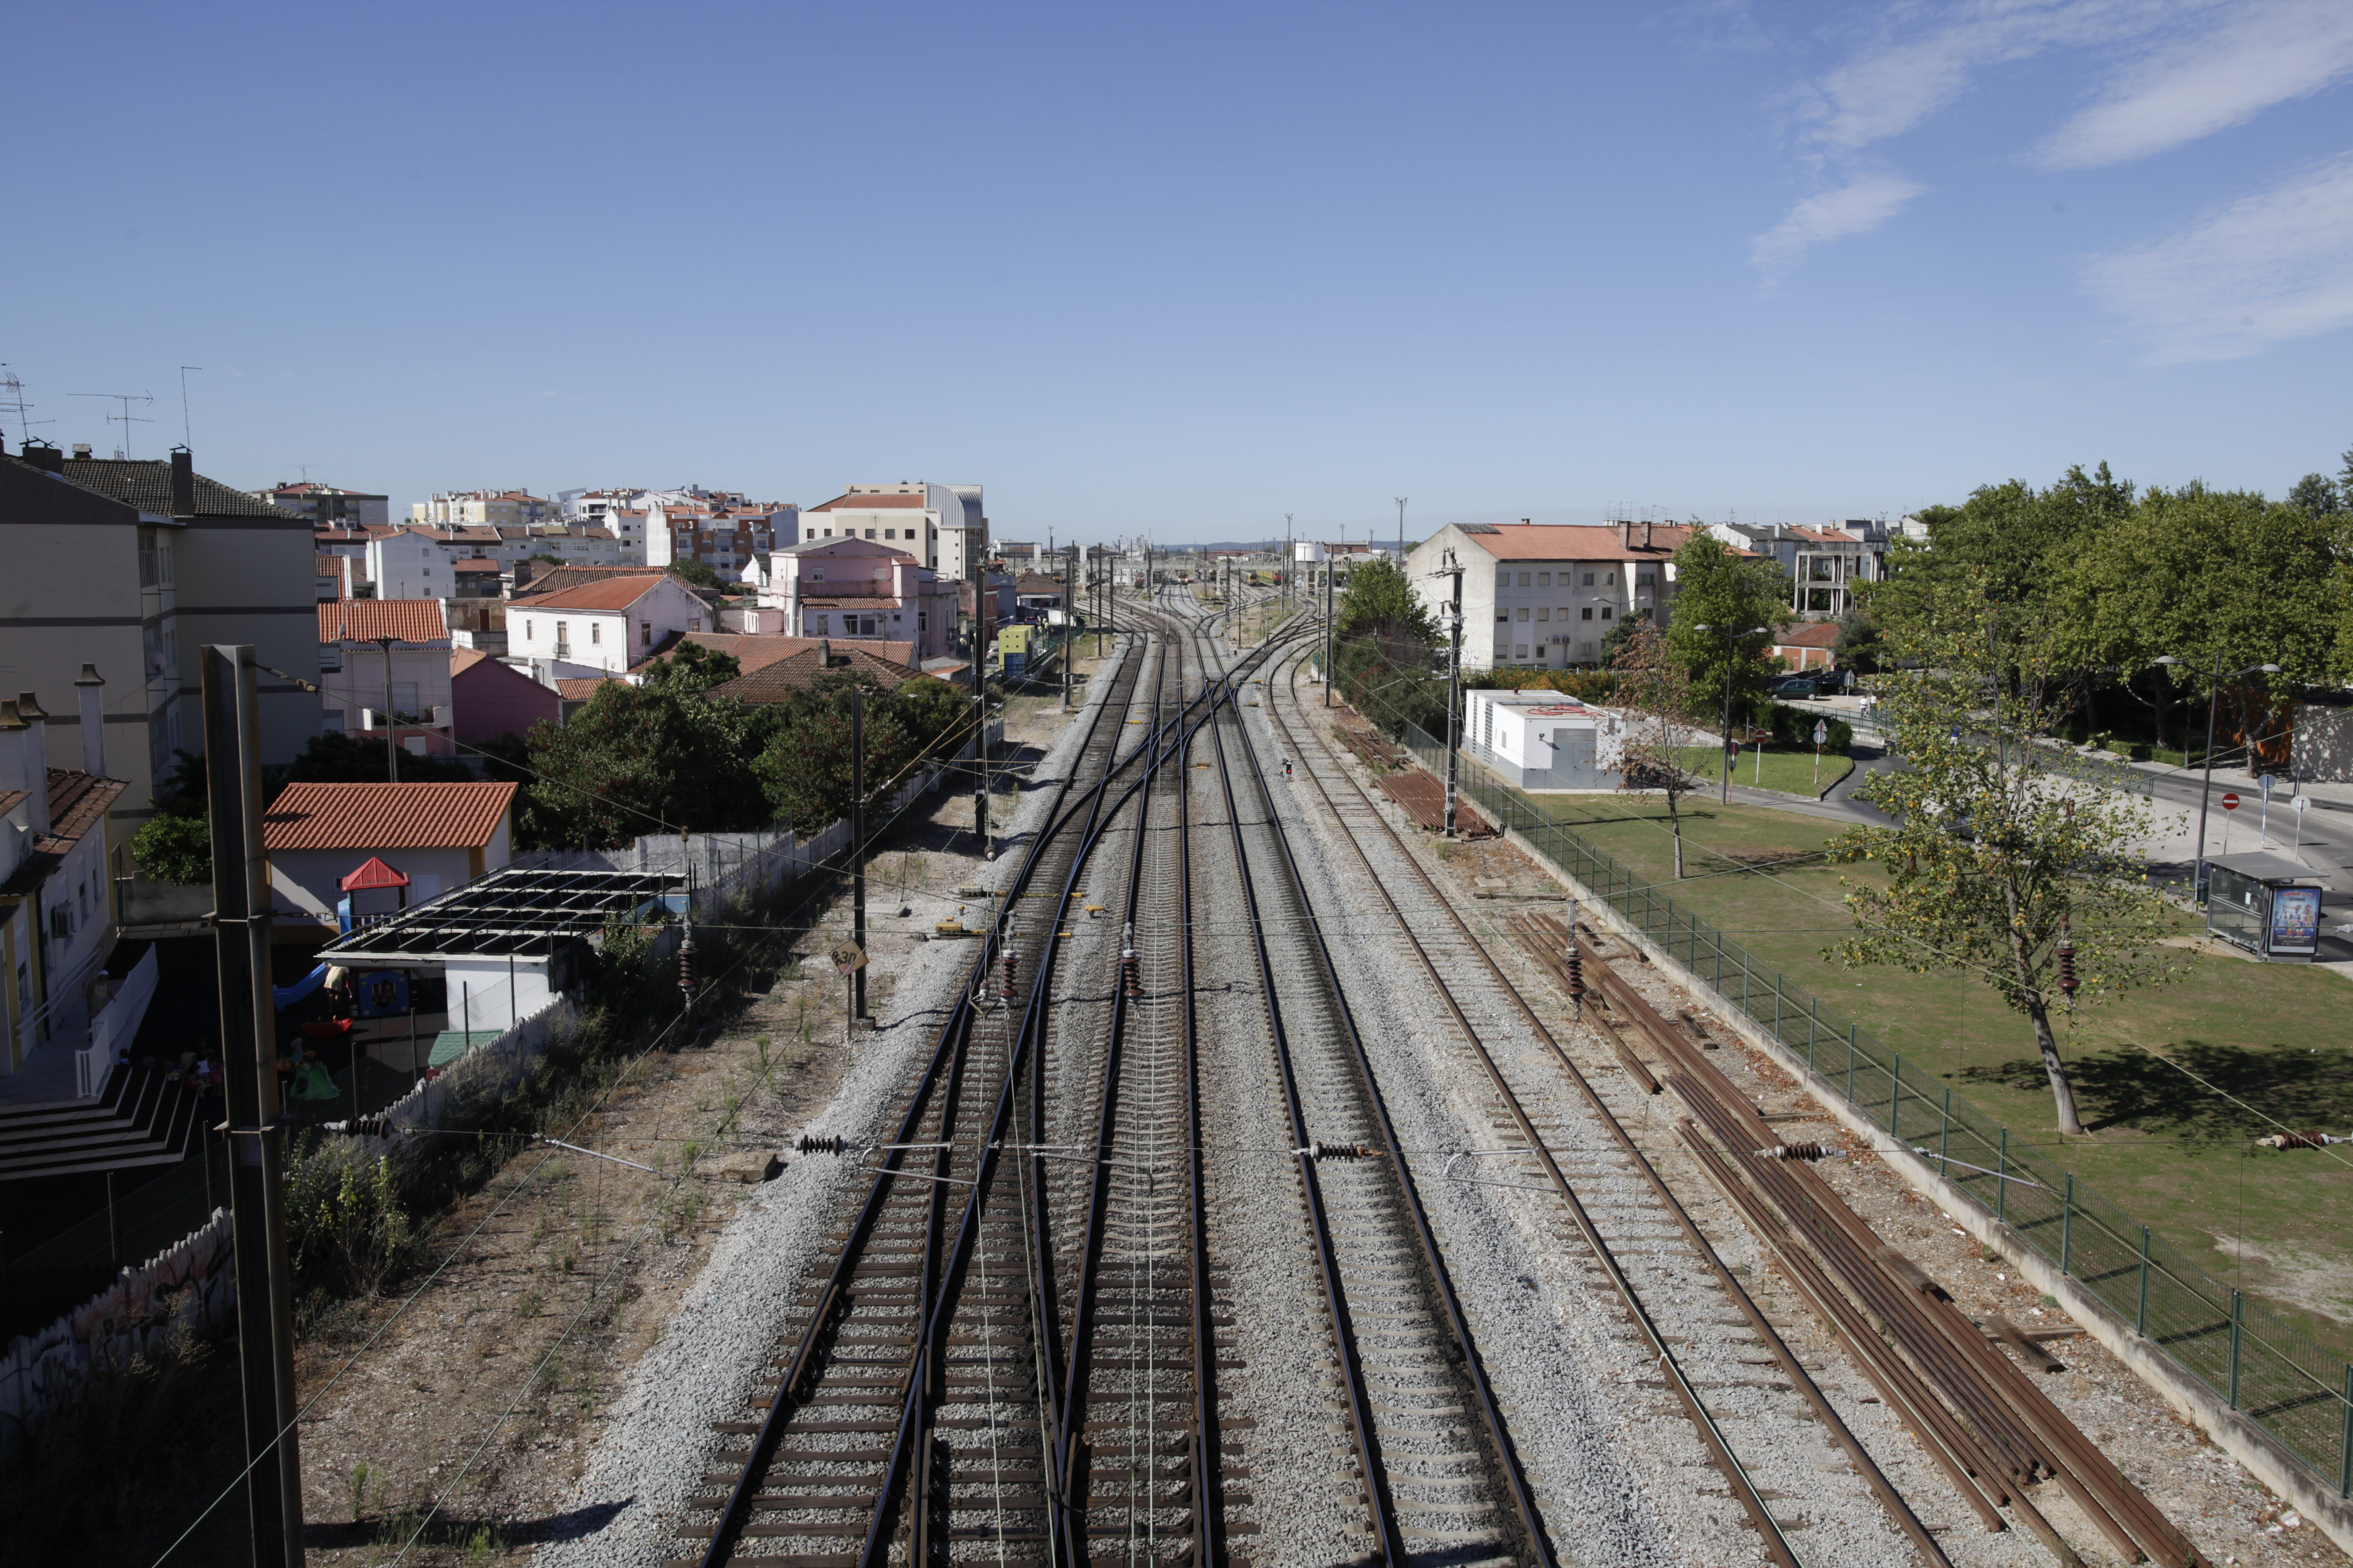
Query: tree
point(1380, 597)
point(175, 848)
point(2006, 845)
point(1857, 649)
point(637, 760)
point(936, 715)
point(1614, 642)
point(2009, 539)
point(2317, 495)
point(697, 574)
point(334, 757)
point(691, 669)
point(1654, 688)
point(806, 772)
point(1386, 647)
point(1730, 596)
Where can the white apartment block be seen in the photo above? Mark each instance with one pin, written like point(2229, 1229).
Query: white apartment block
point(1821, 563)
point(941, 525)
point(1545, 596)
point(492, 509)
point(410, 563)
point(725, 539)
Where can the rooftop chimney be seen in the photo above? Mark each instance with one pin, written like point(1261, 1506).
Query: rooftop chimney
point(90, 687)
point(35, 754)
point(184, 483)
point(81, 451)
point(1626, 533)
point(41, 455)
point(1646, 533)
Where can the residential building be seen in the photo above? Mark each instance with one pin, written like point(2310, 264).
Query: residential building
point(57, 866)
point(488, 700)
point(610, 626)
point(780, 680)
point(1547, 594)
point(350, 541)
point(328, 506)
point(493, 509)
point(1035, 592)
point(753, 652)
point(410, 563)
point(132, 566)
point(854, 588)
point(1821, 563)
point(431, 836)
point(477, 580)
point(941, 525)
point(339, 576)
point(385, 663)
point(1805, 646)
point(723, 537)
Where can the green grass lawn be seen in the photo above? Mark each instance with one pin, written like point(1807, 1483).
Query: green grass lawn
point(2175, 1155)
point(1792, 772)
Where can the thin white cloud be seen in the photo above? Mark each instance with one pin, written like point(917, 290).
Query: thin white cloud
point(2269, 269)
point(1856, 208)
point(1892, 87)
point(2260, 56)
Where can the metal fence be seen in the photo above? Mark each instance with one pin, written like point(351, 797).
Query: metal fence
point(2258, 1361)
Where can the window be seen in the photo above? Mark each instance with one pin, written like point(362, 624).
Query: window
point(1502, 613)
point(694, 622)
point(404, 697)
point(1524, 579)
point(1523, 612)
point(922, 620)
point(1503, 579)
point(1544, 615)
point(870, 534)
point(331, 721)
point(529, 628)
point(1544, 579)
point(1613, 580)
point(1605, 612)
point(60, 921)
point(645, 634)
point(596, 633)
point(1587, 614)
point(1588, 579)
point(890, 533)
point(1520, 650)
point(1646, 579)
point(563, 634)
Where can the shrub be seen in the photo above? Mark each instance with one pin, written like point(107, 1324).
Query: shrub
point(175, 848)
point(346, 1230)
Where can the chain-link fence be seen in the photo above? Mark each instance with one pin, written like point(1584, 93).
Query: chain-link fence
point(2252, 1357)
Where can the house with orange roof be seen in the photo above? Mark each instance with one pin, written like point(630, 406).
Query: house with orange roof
point(425, 837)
point(385, 664)
point(942, 526)
point(1545, 595)
point(606, 626)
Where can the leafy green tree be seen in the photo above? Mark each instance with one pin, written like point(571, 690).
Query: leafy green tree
point(1654, 688)
point(1732, 598)
point(807, 768)
point(2317, 495)
point(691, 669)
point(1620, 636)
point(175, 848)
point(1857, 649)
point(334, 757)
point(2203, 575)
point(637, 760)
point(1381, 598)
point(936, 715)
point(697, 574)
point(1387, 647)
point(2008, 539)
point(2005, 845)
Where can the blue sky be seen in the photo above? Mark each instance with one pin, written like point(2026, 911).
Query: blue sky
point(1184, 269)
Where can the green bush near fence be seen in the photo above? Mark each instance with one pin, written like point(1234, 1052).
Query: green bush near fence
point(2248, 1355)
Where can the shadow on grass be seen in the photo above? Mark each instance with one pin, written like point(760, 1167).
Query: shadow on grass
point(2301, 1086)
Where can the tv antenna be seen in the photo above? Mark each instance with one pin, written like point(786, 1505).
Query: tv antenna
point(185, 439)
point(126, 418)
point(12, 401)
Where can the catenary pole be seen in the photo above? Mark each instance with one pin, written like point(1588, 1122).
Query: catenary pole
point(265, 1297)
point(858, 844)
point(1453, 568)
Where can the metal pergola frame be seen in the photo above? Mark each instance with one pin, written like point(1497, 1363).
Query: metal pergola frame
point(513, 914)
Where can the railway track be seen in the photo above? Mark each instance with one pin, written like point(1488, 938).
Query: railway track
point(931, 1404)
point(1557, 1132)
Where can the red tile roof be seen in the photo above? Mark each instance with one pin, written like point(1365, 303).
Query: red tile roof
point(1579, 542)
point(581, 689)
point(752, 650)
point(870, 503)
point(778, 681)
point(1812, 634)
point(462, 659)
point(373, 873)
point(469, 564)
point(363, 620)
point(386, 815)
point(613, 594)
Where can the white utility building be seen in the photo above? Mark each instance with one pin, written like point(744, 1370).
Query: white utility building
point(1545, 740)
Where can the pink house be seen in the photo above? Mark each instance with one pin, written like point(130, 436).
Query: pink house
point(492, 700)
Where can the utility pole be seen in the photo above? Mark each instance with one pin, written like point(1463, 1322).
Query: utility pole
point(1290, 567)
point(265, 1295)
point(980, 725)
point(1401, 501)
point(858, 847)
point(390, 728)
point(1070, 622)
point(1450, 567)
point(1327, 632)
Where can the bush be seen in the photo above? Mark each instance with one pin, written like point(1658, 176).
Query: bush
point(1794, 727)
point(175, 848)
point(346, 1230)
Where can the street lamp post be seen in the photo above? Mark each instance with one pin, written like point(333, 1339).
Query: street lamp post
point(2205, 790)
point(1731, 647)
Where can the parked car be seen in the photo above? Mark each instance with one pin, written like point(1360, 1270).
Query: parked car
point(1793, 685)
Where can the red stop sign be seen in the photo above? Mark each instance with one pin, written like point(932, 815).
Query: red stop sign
point(2231, 800)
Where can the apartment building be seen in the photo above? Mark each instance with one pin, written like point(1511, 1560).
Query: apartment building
point(131, 566)
point(854, 588)
point(941, 525)
point(492, 509)
point(410, 563)
point(328, 506)
point(1546, 594)
point(1821, 563)
point(722, 537)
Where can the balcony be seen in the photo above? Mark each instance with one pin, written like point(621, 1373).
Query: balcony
point(562, 648)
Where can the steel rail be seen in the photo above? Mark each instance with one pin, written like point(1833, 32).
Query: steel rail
point(1712, 1434)
point(1504, 1455)
point(952, 1043)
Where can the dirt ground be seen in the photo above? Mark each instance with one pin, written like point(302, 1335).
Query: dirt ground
point(2229, 1514)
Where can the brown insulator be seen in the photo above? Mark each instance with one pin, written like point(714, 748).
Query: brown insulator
point(1808, 1152)
point(813, 1144)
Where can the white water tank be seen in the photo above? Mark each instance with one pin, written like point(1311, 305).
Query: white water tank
point(1307, 552)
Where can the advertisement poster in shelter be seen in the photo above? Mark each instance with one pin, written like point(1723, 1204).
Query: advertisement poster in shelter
point(2296, 920)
